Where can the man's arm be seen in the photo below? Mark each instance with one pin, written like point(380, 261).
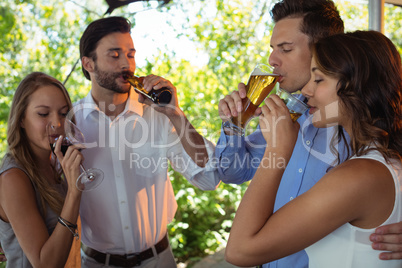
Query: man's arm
point(192, 142)
point(388, 238)
point(239, 157)
point(195, 145)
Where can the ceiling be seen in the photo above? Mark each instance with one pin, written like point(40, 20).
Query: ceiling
point(395, 2)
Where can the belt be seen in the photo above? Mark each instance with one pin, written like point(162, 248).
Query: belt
point(126, 260)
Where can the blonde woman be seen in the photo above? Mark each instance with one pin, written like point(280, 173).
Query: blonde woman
point(39, 202)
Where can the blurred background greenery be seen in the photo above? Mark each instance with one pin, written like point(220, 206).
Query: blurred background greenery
point(204, 47)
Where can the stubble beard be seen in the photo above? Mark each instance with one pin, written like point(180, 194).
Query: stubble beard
point(108, 80)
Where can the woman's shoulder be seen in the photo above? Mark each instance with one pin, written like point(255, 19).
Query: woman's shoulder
point(369, 185)
point(370, 165)
point(16, 190)
point(9, 162)
point(364, 177)
point(363, 168)
point(13, 177)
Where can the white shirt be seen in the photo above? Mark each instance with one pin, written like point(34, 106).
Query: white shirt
point(129, 211)
point(349, 246)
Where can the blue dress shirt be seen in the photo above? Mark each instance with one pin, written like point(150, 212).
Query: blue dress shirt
point(239, 158)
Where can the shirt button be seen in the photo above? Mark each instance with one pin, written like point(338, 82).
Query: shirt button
point(300, 170)
point(308, 142)
point(291, 198)
point(126, 227)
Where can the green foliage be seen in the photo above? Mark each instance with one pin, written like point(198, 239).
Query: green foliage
point(393, 25)
point(38, 37)
point(233, 35)
point(203, 219)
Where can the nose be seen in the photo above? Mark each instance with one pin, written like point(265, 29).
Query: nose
point(274, 60)
point(56, 121)
point(308, 89)
point(127, 63)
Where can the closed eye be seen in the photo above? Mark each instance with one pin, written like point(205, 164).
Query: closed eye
point(286, 47)
point(114, 53)
point(131, 55)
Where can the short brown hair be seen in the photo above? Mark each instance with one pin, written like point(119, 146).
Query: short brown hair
point(320, 17)
point(95, 31)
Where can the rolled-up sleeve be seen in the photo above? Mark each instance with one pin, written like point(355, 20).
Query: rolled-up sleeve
point(205, 178)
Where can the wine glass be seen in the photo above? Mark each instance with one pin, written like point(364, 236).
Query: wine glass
point(89, 178)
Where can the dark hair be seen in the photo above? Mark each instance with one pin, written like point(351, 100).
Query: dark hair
point(98, 29)
point(320, 17)
point(369, 70)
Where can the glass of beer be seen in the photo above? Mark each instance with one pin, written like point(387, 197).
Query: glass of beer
point(296, 106)
point(259, 85)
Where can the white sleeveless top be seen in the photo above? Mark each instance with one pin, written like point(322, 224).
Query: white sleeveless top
point(350, 246)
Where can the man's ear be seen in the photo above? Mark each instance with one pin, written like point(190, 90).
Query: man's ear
point(88, 64)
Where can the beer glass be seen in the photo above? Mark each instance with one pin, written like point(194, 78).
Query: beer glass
point(259, 85)
point(296, 106)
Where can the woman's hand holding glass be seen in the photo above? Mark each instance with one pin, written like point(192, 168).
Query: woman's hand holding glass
point(88, 179)
point(70, 161)
point(278, 128)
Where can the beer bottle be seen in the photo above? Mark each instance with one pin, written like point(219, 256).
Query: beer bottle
point(160, 96)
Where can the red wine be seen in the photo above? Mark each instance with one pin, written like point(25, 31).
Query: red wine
point(64, 147)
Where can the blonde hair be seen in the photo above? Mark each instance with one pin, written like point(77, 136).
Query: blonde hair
point(18, 144)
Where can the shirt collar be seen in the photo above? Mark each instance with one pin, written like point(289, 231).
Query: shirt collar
point(132, 104)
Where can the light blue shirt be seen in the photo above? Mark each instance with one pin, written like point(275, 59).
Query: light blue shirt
point(239, 158)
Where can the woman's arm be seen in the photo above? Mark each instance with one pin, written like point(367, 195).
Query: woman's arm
point(18, 201)
point(359, 191)
point(19, 204)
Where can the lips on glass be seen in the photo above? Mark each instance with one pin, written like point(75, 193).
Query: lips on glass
point(125, 75)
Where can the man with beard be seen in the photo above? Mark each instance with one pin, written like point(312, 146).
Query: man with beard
point(124, 220)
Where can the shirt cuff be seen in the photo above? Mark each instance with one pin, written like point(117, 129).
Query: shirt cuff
point(205, 178)
point(227, 142)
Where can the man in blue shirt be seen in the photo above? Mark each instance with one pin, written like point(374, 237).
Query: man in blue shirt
point(298, 24)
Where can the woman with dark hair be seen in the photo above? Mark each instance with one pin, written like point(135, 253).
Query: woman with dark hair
point(34, 196)
point(356, 83)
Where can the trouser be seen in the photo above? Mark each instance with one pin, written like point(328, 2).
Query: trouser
point(164, 259)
